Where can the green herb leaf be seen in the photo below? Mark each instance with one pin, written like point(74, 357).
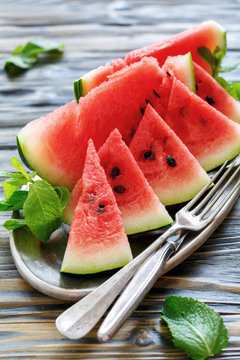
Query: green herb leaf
point(229, 67)
point(232, 88)
point(23, 57)
point(19, 167)
point(42, 210)
point(14, 202)
point(13, 224)
point(213, 59)
point(195, 327)
point(9, 189)
point(63, 194)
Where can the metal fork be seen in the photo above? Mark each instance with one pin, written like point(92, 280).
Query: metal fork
point(191, 217)
point(80, 318)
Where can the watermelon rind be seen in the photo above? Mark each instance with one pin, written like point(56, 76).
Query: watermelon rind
point(78, 89)
point(21, 154)
point(182, 68)
point(98, 262)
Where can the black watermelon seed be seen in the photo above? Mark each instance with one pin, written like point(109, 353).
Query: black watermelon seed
point(148, 102)
point(149, 155)
point(210, 100)
point(142, 110)
point(101, 209)
point(155, 93)
point(170, 160)
point(196, 87)
point(115, 172)
point(165, 139)
point(168, 73)
point(119, 189)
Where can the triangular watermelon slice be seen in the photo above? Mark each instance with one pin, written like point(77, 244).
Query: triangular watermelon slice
point(97, 240)
point(55, 145)
point(140, 207)
point(172, 171)
point(210, 136)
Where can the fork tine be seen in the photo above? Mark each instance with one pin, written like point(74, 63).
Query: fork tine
point(200, 194)
point(213, 190)
point(210, 205)
point(229, 195)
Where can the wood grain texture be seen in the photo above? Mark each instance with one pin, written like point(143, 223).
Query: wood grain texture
point(95, 32)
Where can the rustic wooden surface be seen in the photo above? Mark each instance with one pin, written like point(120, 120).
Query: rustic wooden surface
point(95, 32)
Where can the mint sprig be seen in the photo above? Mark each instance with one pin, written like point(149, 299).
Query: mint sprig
point(214, 60)
point(195, 327)
point(25, 56)
point(42, 204)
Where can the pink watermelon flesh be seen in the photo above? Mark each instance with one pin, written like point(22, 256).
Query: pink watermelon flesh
point(210, 136)
point(210, 90)
point(172, 171)
point(55, 145)
point(97, 240)
point(208, 33)
point(140, 207)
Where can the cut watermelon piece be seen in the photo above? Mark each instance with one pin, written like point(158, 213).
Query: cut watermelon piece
point(97, 240)
point(181, 66)
point(210, 136)
point(55, 145)
point(208, 33)
point(172, 171)
point(140, 207)
point(211, 91)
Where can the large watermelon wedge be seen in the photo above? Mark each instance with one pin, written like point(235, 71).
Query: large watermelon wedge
point(55, 145)
point(210, 136)
point(140, 207)
point(97, 240)
point(208, 34)
point(172, 171)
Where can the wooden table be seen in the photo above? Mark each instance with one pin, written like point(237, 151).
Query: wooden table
point(95, 32)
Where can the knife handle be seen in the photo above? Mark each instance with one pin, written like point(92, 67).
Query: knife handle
point(135, 291)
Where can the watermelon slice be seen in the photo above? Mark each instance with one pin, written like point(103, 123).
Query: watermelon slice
point(55, 145)
point(211, 91)
point(173, 172)
point(97, 240)
point(181, 66)
point(208, 33)
point(141, 210)
point(210, 136)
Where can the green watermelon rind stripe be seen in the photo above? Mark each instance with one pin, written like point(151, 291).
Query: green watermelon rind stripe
point(78, 89)
point(21, 154)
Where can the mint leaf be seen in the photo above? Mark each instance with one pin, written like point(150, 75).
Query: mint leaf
point(213, 59)
point(14, 202)
point(9, 189)
point(229, 67)
point(195, 327)
point(23, 57)
point(232, 88)
point(19, 167)
point(13, 224)
point(63, 194)
point(42, 210)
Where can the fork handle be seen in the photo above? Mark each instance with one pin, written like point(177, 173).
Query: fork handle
point(135, 291)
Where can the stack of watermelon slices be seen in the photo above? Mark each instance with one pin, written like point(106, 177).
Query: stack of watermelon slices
point(174, 136)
